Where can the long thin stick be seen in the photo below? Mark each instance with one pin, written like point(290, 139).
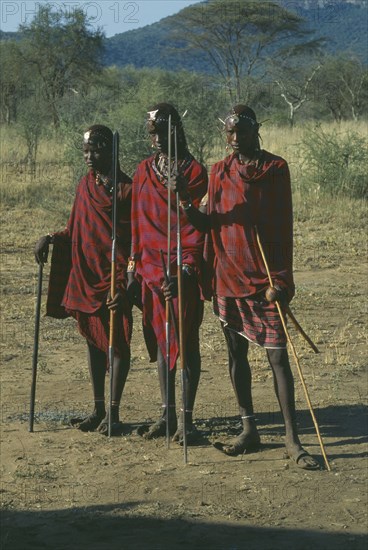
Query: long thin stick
point(181, 309)
point(35, 347)
point(167, 324)
point(115, 163)
point(294, 354)
point(171, 305)
point(300, 329)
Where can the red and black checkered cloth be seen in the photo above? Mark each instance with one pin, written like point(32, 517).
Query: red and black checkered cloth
point(240, 198)
point(149, 236)
point(80, 275)
point(257, 320)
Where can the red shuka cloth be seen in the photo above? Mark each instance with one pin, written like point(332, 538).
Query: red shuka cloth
point(80, 275)
point(241, 197)
point(255, 319)
point(149, 236)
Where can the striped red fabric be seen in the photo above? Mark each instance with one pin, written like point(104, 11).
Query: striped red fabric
point(241, 197)
point(95, 328)
point(61, 263)
point(255, 319)
point(154, 319)
point(80, 274)
point(149, 236)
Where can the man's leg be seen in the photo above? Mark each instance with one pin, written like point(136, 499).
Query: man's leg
point(158, 429)
point(119, 375)
point(241, 379)
point(284, 389)
point(192, 375)
point(97, 370)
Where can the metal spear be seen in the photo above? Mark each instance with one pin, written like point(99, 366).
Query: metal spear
point(180, 308)
point(115, 164)
point(167, 324)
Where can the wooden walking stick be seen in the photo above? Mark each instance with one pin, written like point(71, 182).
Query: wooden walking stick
point(35, 347)
point(171, 305)
point(299, 329)
point(294, 354)
point(181, 309)
point(115, 164)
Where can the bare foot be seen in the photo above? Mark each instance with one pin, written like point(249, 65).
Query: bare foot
point(116, 427)
point(158, 429)
point(88, 424)
point(192, 434)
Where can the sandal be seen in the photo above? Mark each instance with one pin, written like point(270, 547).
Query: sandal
point(245, 443)
point(303, 460)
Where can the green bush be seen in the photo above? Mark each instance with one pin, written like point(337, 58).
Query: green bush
point(335, 162)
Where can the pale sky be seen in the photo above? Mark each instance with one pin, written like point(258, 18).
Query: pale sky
point(114, 16)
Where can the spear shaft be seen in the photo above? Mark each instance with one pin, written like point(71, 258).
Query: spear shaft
point(181, 309)
point(167, 323)
point(115, 164)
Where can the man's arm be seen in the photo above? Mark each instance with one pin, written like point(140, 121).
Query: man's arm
point(197, 216)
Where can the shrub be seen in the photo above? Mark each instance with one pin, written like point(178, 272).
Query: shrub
point(336, 161)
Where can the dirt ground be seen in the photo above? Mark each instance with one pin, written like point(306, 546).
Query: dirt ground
point(63, 489)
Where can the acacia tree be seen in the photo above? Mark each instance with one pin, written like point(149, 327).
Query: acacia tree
point(294, 90)
point(342, 85)
point(63, 51)
point(12, 81)
point(238, 37)
point(200, 99)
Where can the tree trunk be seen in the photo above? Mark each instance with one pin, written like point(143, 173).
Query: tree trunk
point(291, 115)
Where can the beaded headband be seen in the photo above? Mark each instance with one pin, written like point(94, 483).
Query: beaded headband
point(235, 118)
point(161, 118)
point(95, 135)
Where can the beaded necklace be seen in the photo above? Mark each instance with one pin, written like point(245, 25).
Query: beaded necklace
point(105, 181)
point(160, 165)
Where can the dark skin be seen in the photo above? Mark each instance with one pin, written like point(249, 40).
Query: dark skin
point(98, 158)
point(158, 134)
point(159, 140)
point(242, 137)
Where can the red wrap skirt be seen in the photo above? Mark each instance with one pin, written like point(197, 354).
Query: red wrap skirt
point(257, 320)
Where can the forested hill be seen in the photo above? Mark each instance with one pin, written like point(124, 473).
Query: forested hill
point(343, 23)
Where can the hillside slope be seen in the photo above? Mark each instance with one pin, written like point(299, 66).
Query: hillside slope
point(344, 24)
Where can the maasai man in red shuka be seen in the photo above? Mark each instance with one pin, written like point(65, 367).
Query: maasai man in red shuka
point(250, 189)
point(149, 236)
point(80, 273)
